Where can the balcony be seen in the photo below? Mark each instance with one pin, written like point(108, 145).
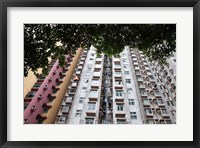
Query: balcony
point(168, 122)
point(121, 121)
point(119, 100)
point(140, 80)
point(134, 60)
point(61, 120)
point(65, 110)
point(151, 121)
point(93, 99)
point(90, 114)
point(136, 68)
point(146, 102)
point(97, 66)
point(29, 96)
point(164, 113)
point(142, 87)
point(69, 100)
point(118, 84)
point(135, 63)
point(96, 75)
point(26, 104)
point(41, 78)
point(152, 80)
point(120, 115)
point(94, 94)
point(91, 110)
point(116, 60)
point(71, 92)
point(157, 94)
point(80, 68)
point(138, 73)
point(98, 61)
point(74, 85)
point(81, 63)
point(148, 112)
point(143, 94)
point(95, 83)
point(160, 103)
point(36, 86)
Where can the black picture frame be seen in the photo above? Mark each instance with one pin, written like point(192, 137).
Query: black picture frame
point(4, 4)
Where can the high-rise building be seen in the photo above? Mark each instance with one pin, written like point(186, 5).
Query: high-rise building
point(43, 100)
point(120, 89)
point(101, 89)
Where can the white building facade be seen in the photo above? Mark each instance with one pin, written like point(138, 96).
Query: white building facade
point(122, 89)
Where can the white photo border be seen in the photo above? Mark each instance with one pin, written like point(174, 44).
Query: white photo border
point(182, 17)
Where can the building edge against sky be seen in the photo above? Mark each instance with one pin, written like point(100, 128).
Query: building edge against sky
point(126, 89)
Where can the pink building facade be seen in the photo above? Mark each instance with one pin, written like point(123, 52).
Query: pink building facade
point(38, 100)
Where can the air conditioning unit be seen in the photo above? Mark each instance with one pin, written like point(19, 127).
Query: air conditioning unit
point(40, 97)
point(33, 108)
point(50, 79)
point(54, 72)
point(26, 121)
point(46, 87)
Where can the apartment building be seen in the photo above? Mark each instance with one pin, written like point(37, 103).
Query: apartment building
point(82, 99)
point(166, 78)
point(100, 89)
point(153, 102)
point(121, 89)
point(42, 102)
point(126, 109)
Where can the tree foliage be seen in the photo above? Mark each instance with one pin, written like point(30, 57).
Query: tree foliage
point(157, 41)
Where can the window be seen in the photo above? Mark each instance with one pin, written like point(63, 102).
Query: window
point(95, 81)
point(164, 112)
point(92, 54)
point(87, 73)
point(130, 90)
point(118, 73)
point(89, 120)
point(121, 121)
point(172, 71)
point(118, 82)
point(78, 112)
point(89, 66)
point(84, 89)
point(128, 81)
point(160, 101)
point(120, 107)
point(31, 94)
point(123, 54)
point(157, 93)
point(86, 80)
point(148, 111)
point(124, 60)
point(133, 115)
point(94, 93)
point(126, 72)
point(91, 59)
point(146, 102)
point(131, 101)
point(81, 101)
point(119, 93)
point(126, 66)
point(117, 65)
point(174, 60)
point(91, 106)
